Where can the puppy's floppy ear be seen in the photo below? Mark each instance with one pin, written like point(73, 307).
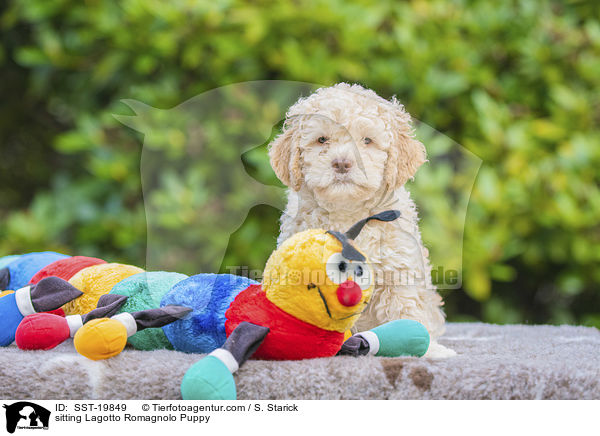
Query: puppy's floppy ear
point(285, 157)
point(406, 153)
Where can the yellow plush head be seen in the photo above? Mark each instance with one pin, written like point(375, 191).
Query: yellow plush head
point(321, 278)
point(309, 278)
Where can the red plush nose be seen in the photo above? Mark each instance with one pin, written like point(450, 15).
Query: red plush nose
point(349, 293)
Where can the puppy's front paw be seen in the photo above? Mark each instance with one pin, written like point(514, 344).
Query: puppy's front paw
point(438, 351)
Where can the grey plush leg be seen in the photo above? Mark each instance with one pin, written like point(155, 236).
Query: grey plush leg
point(354, 346)
point(153, 318)
point(51, 293)
point(4, 278)
point(108, 305)
point(245, 340)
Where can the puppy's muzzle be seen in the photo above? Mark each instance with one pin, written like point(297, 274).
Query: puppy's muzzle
point(341, 166)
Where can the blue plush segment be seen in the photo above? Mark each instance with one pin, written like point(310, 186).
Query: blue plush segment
point(7, 259)
point(209, 295)
point(10, 318)
point(27, 265)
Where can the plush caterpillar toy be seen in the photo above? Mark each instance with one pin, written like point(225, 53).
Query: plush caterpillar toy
point(315, 286)
point(33, 316)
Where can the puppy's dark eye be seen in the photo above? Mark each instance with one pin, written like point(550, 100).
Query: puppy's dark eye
point(367, 140)
point(342, 266)
point(322, 139)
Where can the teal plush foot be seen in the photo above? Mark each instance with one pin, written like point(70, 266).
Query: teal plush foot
point(208, 379)
point(402, 337)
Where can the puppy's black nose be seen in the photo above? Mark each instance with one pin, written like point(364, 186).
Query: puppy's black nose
point(341, 165)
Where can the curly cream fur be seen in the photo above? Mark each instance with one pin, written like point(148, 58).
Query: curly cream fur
point(320, 197)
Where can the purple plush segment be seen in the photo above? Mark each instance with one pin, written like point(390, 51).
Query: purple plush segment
point(26, 266)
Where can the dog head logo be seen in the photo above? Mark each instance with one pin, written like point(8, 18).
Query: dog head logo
point(26, 415)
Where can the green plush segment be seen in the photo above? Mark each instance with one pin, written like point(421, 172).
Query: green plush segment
point(145, 291)
point(208, 379)
point(402, 337)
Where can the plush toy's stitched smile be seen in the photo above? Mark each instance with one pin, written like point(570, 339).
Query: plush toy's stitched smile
point(366, 303)
point(312, 286)
point(324, 302)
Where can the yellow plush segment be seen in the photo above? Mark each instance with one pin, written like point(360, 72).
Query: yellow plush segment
point(347, 335)
point(5, 293)
point(95, 281)
point(299, 262)
point(100, 339)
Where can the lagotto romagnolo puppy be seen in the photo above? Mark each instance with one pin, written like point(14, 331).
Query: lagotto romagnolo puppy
point(345, 153)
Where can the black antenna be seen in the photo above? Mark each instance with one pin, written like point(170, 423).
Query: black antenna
point(348, 250)
point(388, 215)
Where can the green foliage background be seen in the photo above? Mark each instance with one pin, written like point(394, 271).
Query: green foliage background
point(515, 82)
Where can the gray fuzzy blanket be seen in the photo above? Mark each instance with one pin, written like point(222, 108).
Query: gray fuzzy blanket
point(493, 362)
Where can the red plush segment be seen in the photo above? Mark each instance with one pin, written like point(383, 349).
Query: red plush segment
point(59, 312)
point(65, 268)
point(41, 331)
point(289, 338)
